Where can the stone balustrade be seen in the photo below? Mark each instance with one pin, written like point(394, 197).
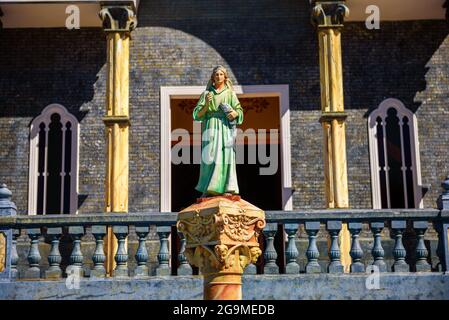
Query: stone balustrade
point(301, 253)
point(290, 244)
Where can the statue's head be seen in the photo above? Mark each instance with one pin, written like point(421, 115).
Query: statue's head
point(222, 69)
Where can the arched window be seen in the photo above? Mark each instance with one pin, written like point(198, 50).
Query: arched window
point(53, 187)
point(394, 156)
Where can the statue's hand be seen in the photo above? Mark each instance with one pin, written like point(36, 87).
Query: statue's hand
point(209, 97)
point(232, 115)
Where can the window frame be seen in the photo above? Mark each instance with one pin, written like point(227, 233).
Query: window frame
point(45, 117)
point(280, 91)
point(381, 111)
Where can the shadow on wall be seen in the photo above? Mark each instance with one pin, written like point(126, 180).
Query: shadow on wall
point(274, 44)
point(263, 42)
point(44, 66)
point(277, 44)
point(390, 62)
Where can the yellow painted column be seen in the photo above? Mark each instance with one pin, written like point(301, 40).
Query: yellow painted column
point(118, 22)
point(328, 18)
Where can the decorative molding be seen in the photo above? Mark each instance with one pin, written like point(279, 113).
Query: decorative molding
point(111, 120)
point(402, 111)
point(118, 18)
point(256, 104)
point(44, 117)
point(329, 116)
point(249, 91)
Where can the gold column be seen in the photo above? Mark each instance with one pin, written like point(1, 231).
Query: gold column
point(118, 22)
point(328, 18)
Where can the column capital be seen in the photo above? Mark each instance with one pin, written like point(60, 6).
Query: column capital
point(118, 17)
point(328, 14)
point(215, 228)
point(222, 238)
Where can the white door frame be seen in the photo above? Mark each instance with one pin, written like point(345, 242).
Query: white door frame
point(249, 91)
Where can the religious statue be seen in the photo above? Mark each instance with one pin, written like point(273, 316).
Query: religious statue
point(220, 112)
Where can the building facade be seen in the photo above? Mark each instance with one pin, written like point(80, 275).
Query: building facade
point(177, 45)
point(87, 113)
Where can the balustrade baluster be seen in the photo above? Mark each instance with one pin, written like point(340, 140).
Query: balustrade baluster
point(34, 257)
point(377, 251)
point(54, 257)
point(399, 253)
point(440, 247)
point(121, 256)
point(75, 269)
point(164, 254)
point(14, 254)
point(312, 252)
point(421, 251)
point(291, 253)
point(270, 254)
point(98, 258)
point(356, 251)
point(335, 266)
point(142, 253)
point(184, 268)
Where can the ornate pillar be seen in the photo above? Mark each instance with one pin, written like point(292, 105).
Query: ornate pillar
point(222, 239)
point(328, 18)
point(118, 22)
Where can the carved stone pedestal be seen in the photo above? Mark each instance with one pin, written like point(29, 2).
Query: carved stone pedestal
point(222, 239)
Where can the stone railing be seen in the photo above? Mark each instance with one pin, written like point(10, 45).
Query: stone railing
point(309, 223)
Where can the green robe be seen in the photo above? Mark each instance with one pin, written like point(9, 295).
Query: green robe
point(217, 173)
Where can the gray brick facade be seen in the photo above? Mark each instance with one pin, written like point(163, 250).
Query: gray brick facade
point(261, 42)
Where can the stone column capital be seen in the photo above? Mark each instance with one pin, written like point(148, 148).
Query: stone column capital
point(222, 238)
point(328, 14)
point(222, 258)
point(118, 18)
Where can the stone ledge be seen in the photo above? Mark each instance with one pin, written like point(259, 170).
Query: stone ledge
point(400, 286)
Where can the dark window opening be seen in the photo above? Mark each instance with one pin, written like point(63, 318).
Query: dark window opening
point(396, 169)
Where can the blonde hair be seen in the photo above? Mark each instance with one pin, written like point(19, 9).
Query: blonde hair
point(227, 81)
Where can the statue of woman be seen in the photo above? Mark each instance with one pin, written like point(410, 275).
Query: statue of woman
point(219, 111)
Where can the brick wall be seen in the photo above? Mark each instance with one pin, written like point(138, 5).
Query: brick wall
point(178, 43)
